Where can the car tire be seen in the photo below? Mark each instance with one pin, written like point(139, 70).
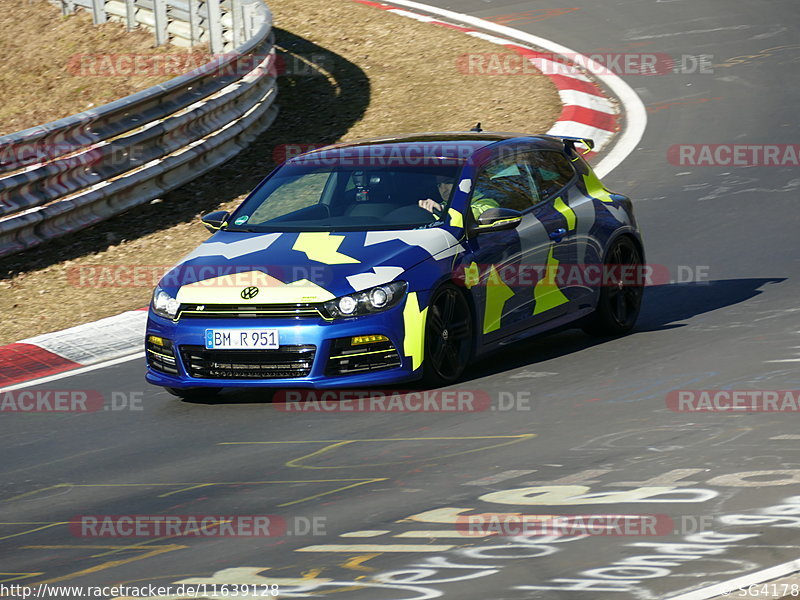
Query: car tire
point(448, 337)
point(618, 305)
point(201, 393)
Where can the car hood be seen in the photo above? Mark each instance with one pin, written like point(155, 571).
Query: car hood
point(300, 267)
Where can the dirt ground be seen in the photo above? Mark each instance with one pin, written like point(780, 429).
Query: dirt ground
point(52, 69)
point(376, 73)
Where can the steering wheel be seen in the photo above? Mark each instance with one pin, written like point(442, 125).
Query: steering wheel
point(413, 211)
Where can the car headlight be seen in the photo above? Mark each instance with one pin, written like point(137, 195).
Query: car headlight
point(164, 305)
point(377, 299)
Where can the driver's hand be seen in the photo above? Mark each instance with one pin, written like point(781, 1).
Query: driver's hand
point(430, 205)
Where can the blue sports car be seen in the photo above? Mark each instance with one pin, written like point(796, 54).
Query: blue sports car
point(396, 259)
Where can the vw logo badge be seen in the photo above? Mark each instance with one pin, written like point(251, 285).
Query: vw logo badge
point(249, 293)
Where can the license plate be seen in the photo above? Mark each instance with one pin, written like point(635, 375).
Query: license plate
point(240, 339)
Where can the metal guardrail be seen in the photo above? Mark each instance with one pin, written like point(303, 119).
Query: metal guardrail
point(66, 175)
point(223, 24)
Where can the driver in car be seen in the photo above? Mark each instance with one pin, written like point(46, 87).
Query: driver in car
point(444, 185)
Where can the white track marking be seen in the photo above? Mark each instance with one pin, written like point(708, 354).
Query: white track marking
point(634, 110)
point(505, 475)
point(78, 371)
point(576, 98)
point(440, 533)
point(377, 548)
point(744, 581)
point(365, 533)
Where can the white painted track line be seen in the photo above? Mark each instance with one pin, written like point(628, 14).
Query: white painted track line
point(78, 371)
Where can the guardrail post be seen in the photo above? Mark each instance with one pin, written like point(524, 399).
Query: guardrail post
point(98, 11)
point(214, 26)
point(236, 24)
point(160, 15)
point(247, 20)
point(130, 14)
point(194, 25)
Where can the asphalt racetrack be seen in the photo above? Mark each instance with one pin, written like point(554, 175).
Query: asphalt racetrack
point(374, 504)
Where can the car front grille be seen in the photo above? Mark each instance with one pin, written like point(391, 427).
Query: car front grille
point(284, 362)
point(248, 311)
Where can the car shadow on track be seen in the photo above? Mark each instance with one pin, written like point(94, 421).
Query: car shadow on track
point(317, 106)
point(664, 307)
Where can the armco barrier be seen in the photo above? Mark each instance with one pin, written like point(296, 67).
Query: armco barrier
point(66, 175)
point(223, 24)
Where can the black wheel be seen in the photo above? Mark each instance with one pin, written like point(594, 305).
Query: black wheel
point(448, 337)
point(203, 393)
point(621, 296)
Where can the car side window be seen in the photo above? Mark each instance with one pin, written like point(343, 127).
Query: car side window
point(551, 170)
point(503, 183)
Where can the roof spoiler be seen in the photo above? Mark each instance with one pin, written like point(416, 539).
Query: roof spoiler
point(569, 143)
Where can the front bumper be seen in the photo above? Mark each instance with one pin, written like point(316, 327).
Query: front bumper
point(188, 337)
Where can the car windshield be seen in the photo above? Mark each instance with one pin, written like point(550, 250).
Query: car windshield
point(312, 197)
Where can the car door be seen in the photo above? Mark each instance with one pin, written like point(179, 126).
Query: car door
point(502, 272)
point(568, 215)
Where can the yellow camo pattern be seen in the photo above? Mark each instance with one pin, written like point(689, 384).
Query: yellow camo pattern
point(414, 335)
point(546, 293)
point(595, 188)
point(565, 210)
point(497, 294)
point(472, 276)
point(323, 247)
point(456, 218)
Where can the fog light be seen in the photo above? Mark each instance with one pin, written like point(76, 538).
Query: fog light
point(368, 339)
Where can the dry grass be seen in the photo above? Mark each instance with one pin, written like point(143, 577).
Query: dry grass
point(374, 86)
point(44, 76)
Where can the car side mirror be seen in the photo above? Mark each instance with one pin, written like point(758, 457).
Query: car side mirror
point(215, 220)
point(497, 219)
